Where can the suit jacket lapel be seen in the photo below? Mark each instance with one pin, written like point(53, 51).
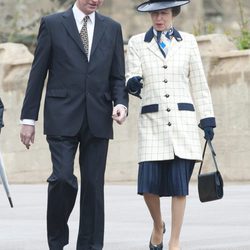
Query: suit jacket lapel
point(70, 25)
point(98, 32)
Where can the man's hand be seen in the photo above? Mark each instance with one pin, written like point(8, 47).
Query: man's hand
point(27, 135)
point(119, 113)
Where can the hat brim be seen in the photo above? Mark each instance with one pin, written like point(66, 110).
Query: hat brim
point(149, 7)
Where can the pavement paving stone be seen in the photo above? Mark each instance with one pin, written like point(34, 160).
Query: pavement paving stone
point(217, 225)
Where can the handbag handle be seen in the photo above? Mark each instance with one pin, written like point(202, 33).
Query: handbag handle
point(213, 155)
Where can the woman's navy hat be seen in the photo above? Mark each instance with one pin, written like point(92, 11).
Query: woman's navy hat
point(155, 5)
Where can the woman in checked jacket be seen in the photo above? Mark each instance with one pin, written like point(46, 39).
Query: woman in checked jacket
point(164, 69)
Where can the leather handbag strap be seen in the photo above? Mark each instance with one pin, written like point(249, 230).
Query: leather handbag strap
point(213, 155)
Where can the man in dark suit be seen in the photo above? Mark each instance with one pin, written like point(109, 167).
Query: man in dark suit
point(82, 52)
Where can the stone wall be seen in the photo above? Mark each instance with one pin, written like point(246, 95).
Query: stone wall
point(21, 17)
point(230, 87)
point(22, 166)
point(228, 74)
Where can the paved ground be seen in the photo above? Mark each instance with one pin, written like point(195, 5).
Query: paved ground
point(220, 225)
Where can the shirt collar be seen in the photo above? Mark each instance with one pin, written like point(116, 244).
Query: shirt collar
point(163, 32)
point(152, 33)
point(79, 15)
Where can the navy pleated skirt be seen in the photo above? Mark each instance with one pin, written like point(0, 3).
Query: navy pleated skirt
point(165, 178)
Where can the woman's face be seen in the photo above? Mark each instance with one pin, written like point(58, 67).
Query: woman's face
point(162, 19)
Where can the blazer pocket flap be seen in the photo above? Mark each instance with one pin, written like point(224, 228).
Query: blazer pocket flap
point(108, 96)
point(150, 108)
point(56, 92)
point(186, 106)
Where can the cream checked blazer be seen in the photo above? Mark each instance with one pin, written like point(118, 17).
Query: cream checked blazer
point(174, 92)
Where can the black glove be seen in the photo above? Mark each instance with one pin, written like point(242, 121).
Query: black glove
point(134, 86)
point(208, 133)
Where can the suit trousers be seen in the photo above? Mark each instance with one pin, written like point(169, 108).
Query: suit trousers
point(62, 189)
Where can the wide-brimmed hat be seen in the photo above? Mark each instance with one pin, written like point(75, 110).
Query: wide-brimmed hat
point(154, 5)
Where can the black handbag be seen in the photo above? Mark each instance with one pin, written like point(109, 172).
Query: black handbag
point(210, 185)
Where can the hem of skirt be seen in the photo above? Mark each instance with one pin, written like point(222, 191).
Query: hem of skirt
point(195, 159)
point(163, 195)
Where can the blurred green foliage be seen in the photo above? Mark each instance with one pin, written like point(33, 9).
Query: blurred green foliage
point(243, 40)
point(17, 33)
point(203, 29)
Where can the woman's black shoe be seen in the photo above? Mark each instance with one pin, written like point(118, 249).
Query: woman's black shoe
point(155, 247)
point(159, 246)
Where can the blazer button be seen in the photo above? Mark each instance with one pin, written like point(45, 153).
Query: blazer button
point(169, 124)
point(165, 66)
point(167, 95)
point(165, 81)
point(168, 109)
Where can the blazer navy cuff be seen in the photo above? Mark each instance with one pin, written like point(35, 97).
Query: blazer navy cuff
point(207, 122)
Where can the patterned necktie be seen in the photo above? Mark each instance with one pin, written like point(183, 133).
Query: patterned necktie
point(84, 35)
point(164, 41)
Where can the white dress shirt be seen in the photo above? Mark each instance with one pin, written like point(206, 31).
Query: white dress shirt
point(79, 15)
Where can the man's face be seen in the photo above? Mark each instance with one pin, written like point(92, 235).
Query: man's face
point(88, 6)
point(162, 19)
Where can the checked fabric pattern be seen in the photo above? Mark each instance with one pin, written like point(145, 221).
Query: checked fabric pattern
point(169, 82)
point(84, 35)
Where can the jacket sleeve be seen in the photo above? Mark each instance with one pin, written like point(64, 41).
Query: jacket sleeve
point(200, 89)
point(117, 73)
point(38, 74)
point(133, 60)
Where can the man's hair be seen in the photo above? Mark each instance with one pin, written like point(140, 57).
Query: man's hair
point(176, 10)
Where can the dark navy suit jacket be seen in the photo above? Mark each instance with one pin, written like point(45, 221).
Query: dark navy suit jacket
point(76, 89)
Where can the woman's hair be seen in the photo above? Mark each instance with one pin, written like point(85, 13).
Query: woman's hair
point(176, 10)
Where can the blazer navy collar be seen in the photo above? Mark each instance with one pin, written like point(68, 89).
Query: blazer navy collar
point(150, 35)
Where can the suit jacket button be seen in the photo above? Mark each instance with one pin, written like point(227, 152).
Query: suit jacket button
point(165, 66)
point(167, 95)
point(168, 109)
point(165, 81)
point(169, 124)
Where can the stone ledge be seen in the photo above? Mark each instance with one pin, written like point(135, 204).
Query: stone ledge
point(234, 53)
point(15, 54)
point(214, 43)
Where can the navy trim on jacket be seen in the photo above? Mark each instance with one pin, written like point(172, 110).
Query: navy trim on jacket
point(150, 35)
point(185, 106)
point(207, 122)
point(150, 108)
